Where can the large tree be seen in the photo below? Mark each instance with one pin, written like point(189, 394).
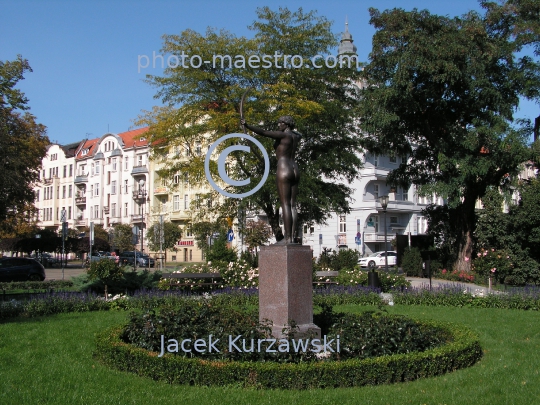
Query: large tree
point(203, 105)
point(23, 144)
point(443, 91)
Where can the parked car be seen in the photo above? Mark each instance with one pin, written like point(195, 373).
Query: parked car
point(377, 259)
point(142, 259)
point(46, 259)
point(21, 269)
point(105, 255)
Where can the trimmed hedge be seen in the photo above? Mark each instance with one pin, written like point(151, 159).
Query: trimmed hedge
point(35, 285)
point(463, 351)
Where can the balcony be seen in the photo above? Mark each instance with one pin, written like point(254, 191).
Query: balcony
point(48, 181)
point(373, 237)
point(161, 190)
point(137, 219)
point(80, 200)
point(179, 216)
point(106, 209)
point(82, 178)
point(139, 169)
point(140, 195)
point(80, 222)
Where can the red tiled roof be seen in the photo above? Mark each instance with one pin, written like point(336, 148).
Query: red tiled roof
point(133, 137)
point(90, 145)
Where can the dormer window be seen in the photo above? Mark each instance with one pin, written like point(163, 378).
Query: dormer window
point(142, 138)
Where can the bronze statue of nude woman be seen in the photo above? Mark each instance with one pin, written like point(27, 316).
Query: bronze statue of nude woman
point(288, 175)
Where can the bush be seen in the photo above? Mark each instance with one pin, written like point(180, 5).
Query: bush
point(105, 270)
point(36, 285)
point(330, 260)
point(462, 351)
point(359, 277)
point(130, 282)
point(411, 262)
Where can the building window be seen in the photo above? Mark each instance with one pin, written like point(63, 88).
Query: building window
point(126, 164)
point(125, 186)
point(69, 212)
point(114, 163)
point(65, 171)
point(113, 210)
point(189, 232)
point(125, 209)
point(96, 211)
point(186, 179)
point(186, 202)
point(113, 187)
point(139, 160)
point(98, 165)
point(393, 220)
point(393, 158)
point(198, 201)
point(176, 179)
point(70, 191)
point(70, 170)
point(176, 203)
point(96, 189)
point(37, 195)
point(375, 191)
point(342, 223)
point(54, 156)
point(198, 148)
point(63, 191)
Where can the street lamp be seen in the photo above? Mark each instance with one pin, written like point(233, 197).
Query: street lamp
point(384, 204)
point(142, 196)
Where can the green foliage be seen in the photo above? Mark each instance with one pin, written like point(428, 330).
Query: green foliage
point(411, 262)
point(171, 235)
point(206, 100)
point(105, 270)
point(122, 237)
point(336, 261)
point(219, 252)
point(493, 263)
point(36, 285)
point(357, 276)
point(435, 95)
point(23, 143)
point(131, 281)
point(257, 233)
point(463, 351)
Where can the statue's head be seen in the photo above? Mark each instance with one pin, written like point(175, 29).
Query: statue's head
point(287, 119)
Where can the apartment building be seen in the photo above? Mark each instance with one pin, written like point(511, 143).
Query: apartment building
point(55, 190)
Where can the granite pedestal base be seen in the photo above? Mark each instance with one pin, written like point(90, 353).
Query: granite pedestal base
point(286, 289)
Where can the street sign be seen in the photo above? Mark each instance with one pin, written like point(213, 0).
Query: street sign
point(230, 235)
point(357, 240)
point(320, 239)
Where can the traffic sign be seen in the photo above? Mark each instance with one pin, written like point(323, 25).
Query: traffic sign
point(230, 235)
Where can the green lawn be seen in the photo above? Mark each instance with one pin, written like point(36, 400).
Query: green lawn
point(49, 361)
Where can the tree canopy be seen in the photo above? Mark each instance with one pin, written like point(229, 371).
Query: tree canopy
point(203, 105)
point(23, 144)
point(442, 91)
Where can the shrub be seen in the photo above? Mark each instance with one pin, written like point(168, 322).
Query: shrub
point(105, 270)
point(36, 285)
point(412, 262)
point(462, 351)
point(359, 277)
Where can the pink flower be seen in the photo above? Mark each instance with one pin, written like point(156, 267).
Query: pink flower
point(493, 250)
point(466, 259)
point(485, 253)
point(493, 269)
point(443, 271)
point(478, 254)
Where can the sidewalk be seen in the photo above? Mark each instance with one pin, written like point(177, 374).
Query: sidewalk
point(418, 282)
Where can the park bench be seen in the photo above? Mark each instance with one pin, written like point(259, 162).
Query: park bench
point(179, 279)
point(329, 277)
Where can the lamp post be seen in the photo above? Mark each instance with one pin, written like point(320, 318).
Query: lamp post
point(38, 236)
point(384, 204)
point(64, 235)
point(142, 199)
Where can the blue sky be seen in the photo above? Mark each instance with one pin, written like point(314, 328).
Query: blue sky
point(84, 53)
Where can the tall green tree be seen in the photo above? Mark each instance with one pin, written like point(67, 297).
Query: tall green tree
point(170, 236)
point(443, 91)
point(23, 144)
point(122, 237)
point(203, 105)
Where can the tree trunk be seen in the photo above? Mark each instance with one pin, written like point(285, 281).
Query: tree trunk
point(466, 222)
point(106, 295)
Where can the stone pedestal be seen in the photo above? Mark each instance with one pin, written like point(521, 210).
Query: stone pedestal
point(286, 288)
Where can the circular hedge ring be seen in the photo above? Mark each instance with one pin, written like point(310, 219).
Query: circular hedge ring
point(462, 351)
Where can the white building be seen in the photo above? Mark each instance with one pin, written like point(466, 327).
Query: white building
point(55, 191)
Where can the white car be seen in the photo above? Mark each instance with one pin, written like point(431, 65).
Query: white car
point(377, 259)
